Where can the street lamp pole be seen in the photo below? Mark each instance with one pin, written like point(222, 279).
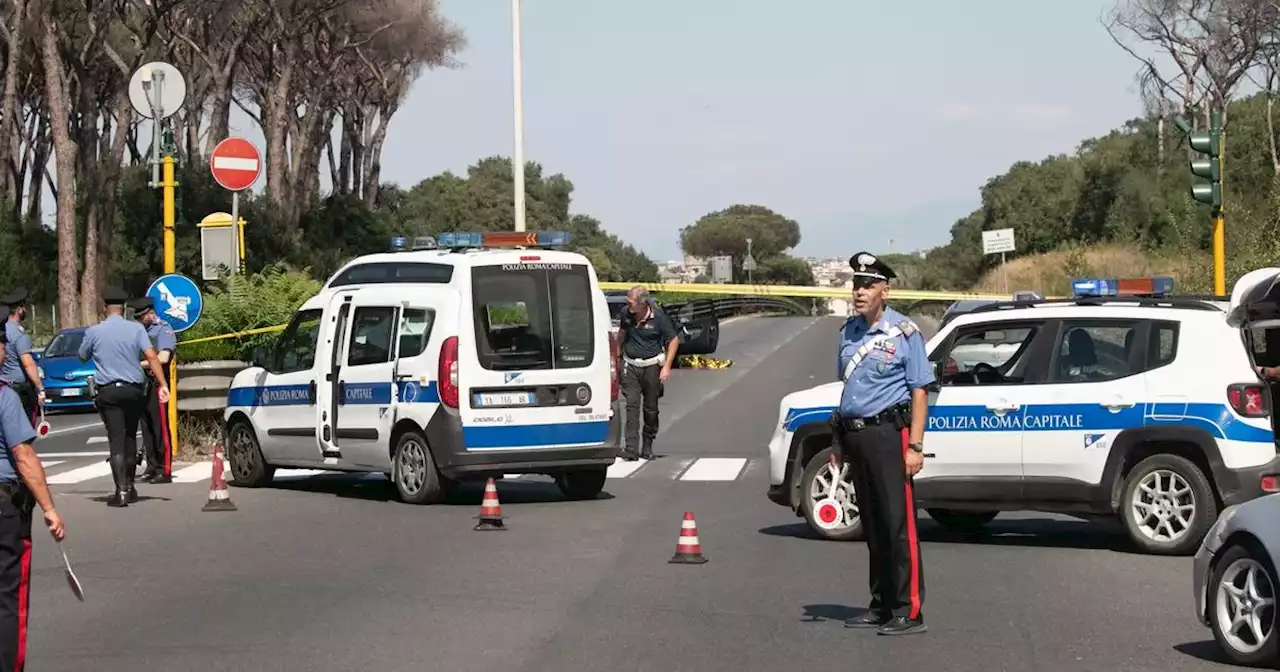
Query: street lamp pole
point(517, 83)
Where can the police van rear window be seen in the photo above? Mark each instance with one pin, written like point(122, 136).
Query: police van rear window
point(383, 272)
point(533, 316)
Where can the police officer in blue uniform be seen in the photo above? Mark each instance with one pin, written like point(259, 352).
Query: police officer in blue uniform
point(22, 486)
point(19, 368)
point(155, 418)
point(879, 428)
point(116, 345)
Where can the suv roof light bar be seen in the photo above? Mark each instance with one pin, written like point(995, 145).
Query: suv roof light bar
point(1157, 286)
point(1185, 302)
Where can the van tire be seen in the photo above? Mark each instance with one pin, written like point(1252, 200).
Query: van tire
point(245, 461)
point(582, 484)
point(414, 472)
point(1166, 468)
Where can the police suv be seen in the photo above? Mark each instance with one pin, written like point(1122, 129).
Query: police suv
point(1122, 401)
point(470, 355)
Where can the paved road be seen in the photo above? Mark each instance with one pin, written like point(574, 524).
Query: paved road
point(326, 573)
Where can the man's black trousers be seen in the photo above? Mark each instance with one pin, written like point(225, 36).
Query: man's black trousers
point(16, 505)
point(121, 406)
point(30, 400)
point(887, 508)
point(155, 432)
point(641, 387)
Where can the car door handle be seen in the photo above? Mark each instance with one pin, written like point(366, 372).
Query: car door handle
point(311, 392)
point(1118, 404)
point(342, 392)
point(1002, 407)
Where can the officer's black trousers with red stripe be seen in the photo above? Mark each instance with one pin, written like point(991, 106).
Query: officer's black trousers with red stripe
point(887, 508)
point(15, 578)
point(155, 432)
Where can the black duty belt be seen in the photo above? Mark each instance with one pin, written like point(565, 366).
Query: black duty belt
point(120, 383)
point(11, 489)
point(888, 416)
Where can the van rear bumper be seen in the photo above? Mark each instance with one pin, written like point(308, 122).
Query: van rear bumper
point(444, 434)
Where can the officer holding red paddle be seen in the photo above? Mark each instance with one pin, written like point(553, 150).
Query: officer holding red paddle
point(22, 486)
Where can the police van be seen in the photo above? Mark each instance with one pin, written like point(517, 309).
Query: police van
point(1122, 402)
point(459, 357)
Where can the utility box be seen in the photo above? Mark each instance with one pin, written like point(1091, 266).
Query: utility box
point(721, 270)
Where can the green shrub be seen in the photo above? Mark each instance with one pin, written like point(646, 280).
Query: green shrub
point(243, 303)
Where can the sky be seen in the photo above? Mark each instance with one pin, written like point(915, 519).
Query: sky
point(872, 124)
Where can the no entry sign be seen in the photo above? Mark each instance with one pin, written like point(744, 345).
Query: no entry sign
point(236, 164)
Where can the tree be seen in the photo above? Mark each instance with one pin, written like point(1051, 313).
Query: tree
point(725, 232)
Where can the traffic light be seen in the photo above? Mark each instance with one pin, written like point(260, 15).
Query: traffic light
point(1209, 144)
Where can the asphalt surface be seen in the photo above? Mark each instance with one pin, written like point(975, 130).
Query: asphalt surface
point(329, 573)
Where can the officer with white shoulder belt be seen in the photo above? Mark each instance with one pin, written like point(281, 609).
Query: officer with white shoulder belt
point(22, 486)
point(879, 428)
point(116, 345)
point(18, 366)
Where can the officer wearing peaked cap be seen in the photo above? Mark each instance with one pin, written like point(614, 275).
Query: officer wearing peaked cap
point(879, 428)
point(18, 367)
point(155, 417)
point(116, 345)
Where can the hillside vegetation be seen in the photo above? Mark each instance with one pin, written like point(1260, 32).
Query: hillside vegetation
point(1125, 191)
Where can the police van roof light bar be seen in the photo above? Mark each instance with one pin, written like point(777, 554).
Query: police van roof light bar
point(1153, 287)
point(491, 239)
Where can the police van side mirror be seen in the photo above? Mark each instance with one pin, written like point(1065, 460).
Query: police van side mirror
point(259, 357)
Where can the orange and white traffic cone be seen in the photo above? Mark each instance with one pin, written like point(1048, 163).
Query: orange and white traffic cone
point(688, 548)
point(490, 510)
point(219, 496)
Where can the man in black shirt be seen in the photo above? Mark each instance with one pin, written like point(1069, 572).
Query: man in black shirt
point(648, 343)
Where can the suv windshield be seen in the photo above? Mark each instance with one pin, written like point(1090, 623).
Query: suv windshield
point(64, 344)
point(533, 316)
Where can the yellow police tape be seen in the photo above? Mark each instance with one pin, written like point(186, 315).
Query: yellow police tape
point(806, 292)
point(745, 290)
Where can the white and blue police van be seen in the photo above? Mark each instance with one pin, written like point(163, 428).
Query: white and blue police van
point(1123, 401)
point(460, 357)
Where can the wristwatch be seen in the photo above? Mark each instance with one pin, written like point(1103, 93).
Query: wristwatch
point(916, 446)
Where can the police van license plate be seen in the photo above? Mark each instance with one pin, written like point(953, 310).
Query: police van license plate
point(487, 399)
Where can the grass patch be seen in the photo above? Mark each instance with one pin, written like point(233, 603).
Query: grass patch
point(1052, 273)
point(198, 431)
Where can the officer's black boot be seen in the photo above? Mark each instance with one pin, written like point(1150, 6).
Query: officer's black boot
point(118, 475)
point(646, 448)
point(903, 625)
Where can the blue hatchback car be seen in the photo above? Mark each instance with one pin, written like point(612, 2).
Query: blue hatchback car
point(65, 376)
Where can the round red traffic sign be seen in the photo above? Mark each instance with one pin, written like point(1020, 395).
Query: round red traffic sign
point(236, 164)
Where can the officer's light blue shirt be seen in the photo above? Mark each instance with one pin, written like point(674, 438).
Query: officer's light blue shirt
point(19, 345)
point(15, 430)
point(886, 376)
point(116, 346)
point(162, 336)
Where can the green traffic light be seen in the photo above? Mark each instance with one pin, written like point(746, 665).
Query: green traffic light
point(1210, 194)
point(1205, 143)
point(1207, 168)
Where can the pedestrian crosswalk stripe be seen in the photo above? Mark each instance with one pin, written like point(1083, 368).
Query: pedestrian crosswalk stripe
point(714, 469)
point(687, 469)
point(46, 463)
point(97, 439)
point(85, 473)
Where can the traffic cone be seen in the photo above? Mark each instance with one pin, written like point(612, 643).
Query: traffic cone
point(688, 548)
point(490, 510)
point(219, 496)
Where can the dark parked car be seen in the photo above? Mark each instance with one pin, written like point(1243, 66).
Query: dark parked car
point(696, 320)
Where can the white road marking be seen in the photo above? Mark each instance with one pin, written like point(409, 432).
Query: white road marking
point(96, 439)
point(95, 470)
point(74, 428)
point(46, 464)
point(714, 469)
point(623, 469)
point(86, 453)
point(194, 473)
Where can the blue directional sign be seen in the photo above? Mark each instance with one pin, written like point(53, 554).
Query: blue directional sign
point(177, 300)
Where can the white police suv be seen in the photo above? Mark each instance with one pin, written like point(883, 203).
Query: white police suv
point(470, 355)
point(1122, 401)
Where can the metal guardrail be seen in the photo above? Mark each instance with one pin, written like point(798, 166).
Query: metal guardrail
point(202, 386)
point(738, 305)
point(803, 292)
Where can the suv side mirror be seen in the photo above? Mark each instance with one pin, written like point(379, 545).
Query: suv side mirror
point(259, 357)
